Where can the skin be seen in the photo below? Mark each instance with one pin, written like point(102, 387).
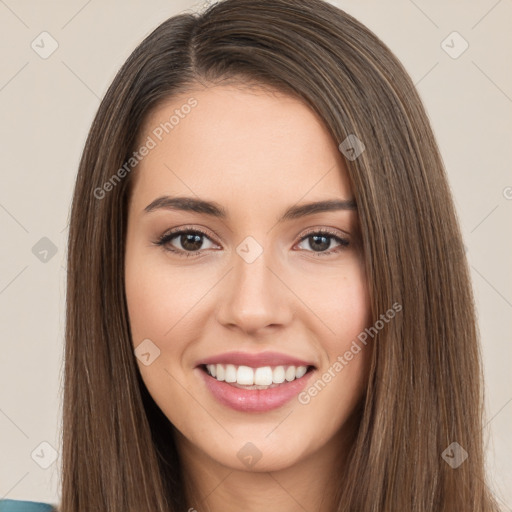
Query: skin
point(256, 153)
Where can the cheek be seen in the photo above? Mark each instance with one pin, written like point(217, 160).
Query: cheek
point(343, 306)
point(146, 301)
point(159, 299)
point(338, 299)
point(348, 305)
point(159, 310)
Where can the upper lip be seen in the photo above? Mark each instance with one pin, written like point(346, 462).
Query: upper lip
point(254, 360)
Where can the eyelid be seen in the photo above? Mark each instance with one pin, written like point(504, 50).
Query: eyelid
point(327, 230)
point(182, 229)
point(208, 233)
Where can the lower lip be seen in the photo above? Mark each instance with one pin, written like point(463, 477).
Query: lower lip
point(254, 400)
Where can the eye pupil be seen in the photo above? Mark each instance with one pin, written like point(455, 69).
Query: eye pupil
point(320, 243)
point(191, 242)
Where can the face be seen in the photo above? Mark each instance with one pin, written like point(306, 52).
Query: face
point(240, 309)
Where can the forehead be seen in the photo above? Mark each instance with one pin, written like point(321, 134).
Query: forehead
point(232, 143)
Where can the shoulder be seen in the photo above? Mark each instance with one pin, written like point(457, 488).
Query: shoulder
point(25, 506)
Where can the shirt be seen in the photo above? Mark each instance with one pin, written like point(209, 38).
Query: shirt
point(25, 506)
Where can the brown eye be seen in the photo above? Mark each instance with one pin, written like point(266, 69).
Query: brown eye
point(320, 242)
point(185, 242)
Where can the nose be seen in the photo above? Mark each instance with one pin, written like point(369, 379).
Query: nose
point(254, 297)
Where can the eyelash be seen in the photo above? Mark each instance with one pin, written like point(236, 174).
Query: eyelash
point(164, 240)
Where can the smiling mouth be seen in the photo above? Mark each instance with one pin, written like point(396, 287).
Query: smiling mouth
point(264, 377)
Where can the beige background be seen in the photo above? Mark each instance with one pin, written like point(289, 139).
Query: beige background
point(47, 105)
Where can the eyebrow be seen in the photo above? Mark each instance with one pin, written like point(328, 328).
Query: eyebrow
point(214, 209)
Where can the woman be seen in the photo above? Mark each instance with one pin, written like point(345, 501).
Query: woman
point(268, 301)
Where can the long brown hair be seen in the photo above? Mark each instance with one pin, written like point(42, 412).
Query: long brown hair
point(424, 390)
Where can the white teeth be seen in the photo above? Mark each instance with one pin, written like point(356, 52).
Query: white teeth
point(245, 376)
point(230, 375)
point(300, 372)
point(263, 376)
point(220, 372)
point(278, 374)
point(290, 373)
